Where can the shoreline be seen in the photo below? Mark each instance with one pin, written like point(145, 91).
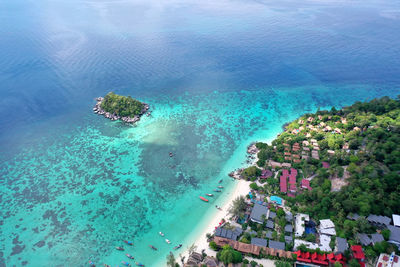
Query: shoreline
point(241, 188)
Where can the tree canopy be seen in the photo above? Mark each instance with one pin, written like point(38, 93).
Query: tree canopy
point(124, 106)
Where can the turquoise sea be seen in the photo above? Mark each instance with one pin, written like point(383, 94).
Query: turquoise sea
point(217, 75)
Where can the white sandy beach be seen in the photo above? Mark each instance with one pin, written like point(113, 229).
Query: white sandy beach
point(241, 189)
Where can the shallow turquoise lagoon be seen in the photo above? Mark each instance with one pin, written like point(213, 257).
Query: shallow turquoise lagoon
point(218, 76)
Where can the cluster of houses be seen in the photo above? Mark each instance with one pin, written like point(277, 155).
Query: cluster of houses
point(288, 182)
point(321, 126)
point(296, 230)
point(197, 259)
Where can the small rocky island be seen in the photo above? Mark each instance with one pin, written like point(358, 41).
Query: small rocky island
point(117, 107)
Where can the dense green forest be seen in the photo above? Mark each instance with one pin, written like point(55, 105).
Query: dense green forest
point(124, 106)
point(361, 143)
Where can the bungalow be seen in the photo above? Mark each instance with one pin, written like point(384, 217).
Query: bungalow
point(306, 148)
point(325, 165)
point(226, 233)
point(289, 217)
point(288, 239)
point(341, 245)
point(257, 213)
point(272, 215)
point(310, 119)
point(286, 165)
point(274, 164)
point(305, 184)
point(268, 234)
point(305, 143)
point(288, 228)
point(354, 217)
point(259, 242)
point(266, 174)
point(337, 130)
point(270, 224)
point(276, 245)
point(330, 152)
point(378, 220)
point(394, 235)
point(376, 238)
point(314, 154)
point(364, 239)
point(297, 161)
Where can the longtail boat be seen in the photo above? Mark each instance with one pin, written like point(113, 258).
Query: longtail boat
point(152, 247)
point(210, 195)
point(204, 199)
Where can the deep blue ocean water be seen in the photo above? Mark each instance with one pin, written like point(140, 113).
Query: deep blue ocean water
point(217, 74)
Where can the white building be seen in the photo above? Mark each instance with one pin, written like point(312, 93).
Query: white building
point(327, 227)
point(300, 222)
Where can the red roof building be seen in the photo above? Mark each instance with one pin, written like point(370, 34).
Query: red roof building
point(292, 179)
point(285, 172)
point(292, 188)
point(325, 165)
point(358, 254)
point(305, 184)
point(293, 172)
point(283, 184)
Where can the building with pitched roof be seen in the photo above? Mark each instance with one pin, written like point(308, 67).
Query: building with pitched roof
point(259, 242)
point(341, 245)
point(378, 220)
point(276, 245)
point(257, 213)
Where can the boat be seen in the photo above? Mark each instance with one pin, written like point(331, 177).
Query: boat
point(152, 247)
point(204, 199)
point(220, 181)
point(161, 233)
point(139, 264)
point(170, 154)
point(178, 246)
point(210, 195)
point(91, 263)
point(220, 186)
point(130, 256)
point(126, 263)
point(217, 190)
point(106, 265)
point(166, 240)
point(130, 243)
point(119, 248)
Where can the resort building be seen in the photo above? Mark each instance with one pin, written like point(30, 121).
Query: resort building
point(229, 234)
point(394, 235)
point(378, 220)
point(341, 245)
point(327, 227)
point(259, 242)
point(386, 260)
point(396, 220)
point(276, 245)
point(301, 219)
point(259, 213)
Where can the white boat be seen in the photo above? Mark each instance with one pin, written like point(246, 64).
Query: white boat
point(166, 240)
point(161, 233)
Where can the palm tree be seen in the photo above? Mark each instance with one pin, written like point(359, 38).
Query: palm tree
point(192, 249)
point(171, 260)
point(238, 206)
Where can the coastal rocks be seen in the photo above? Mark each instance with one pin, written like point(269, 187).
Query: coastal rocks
point(236, 174)
point(129, 120)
